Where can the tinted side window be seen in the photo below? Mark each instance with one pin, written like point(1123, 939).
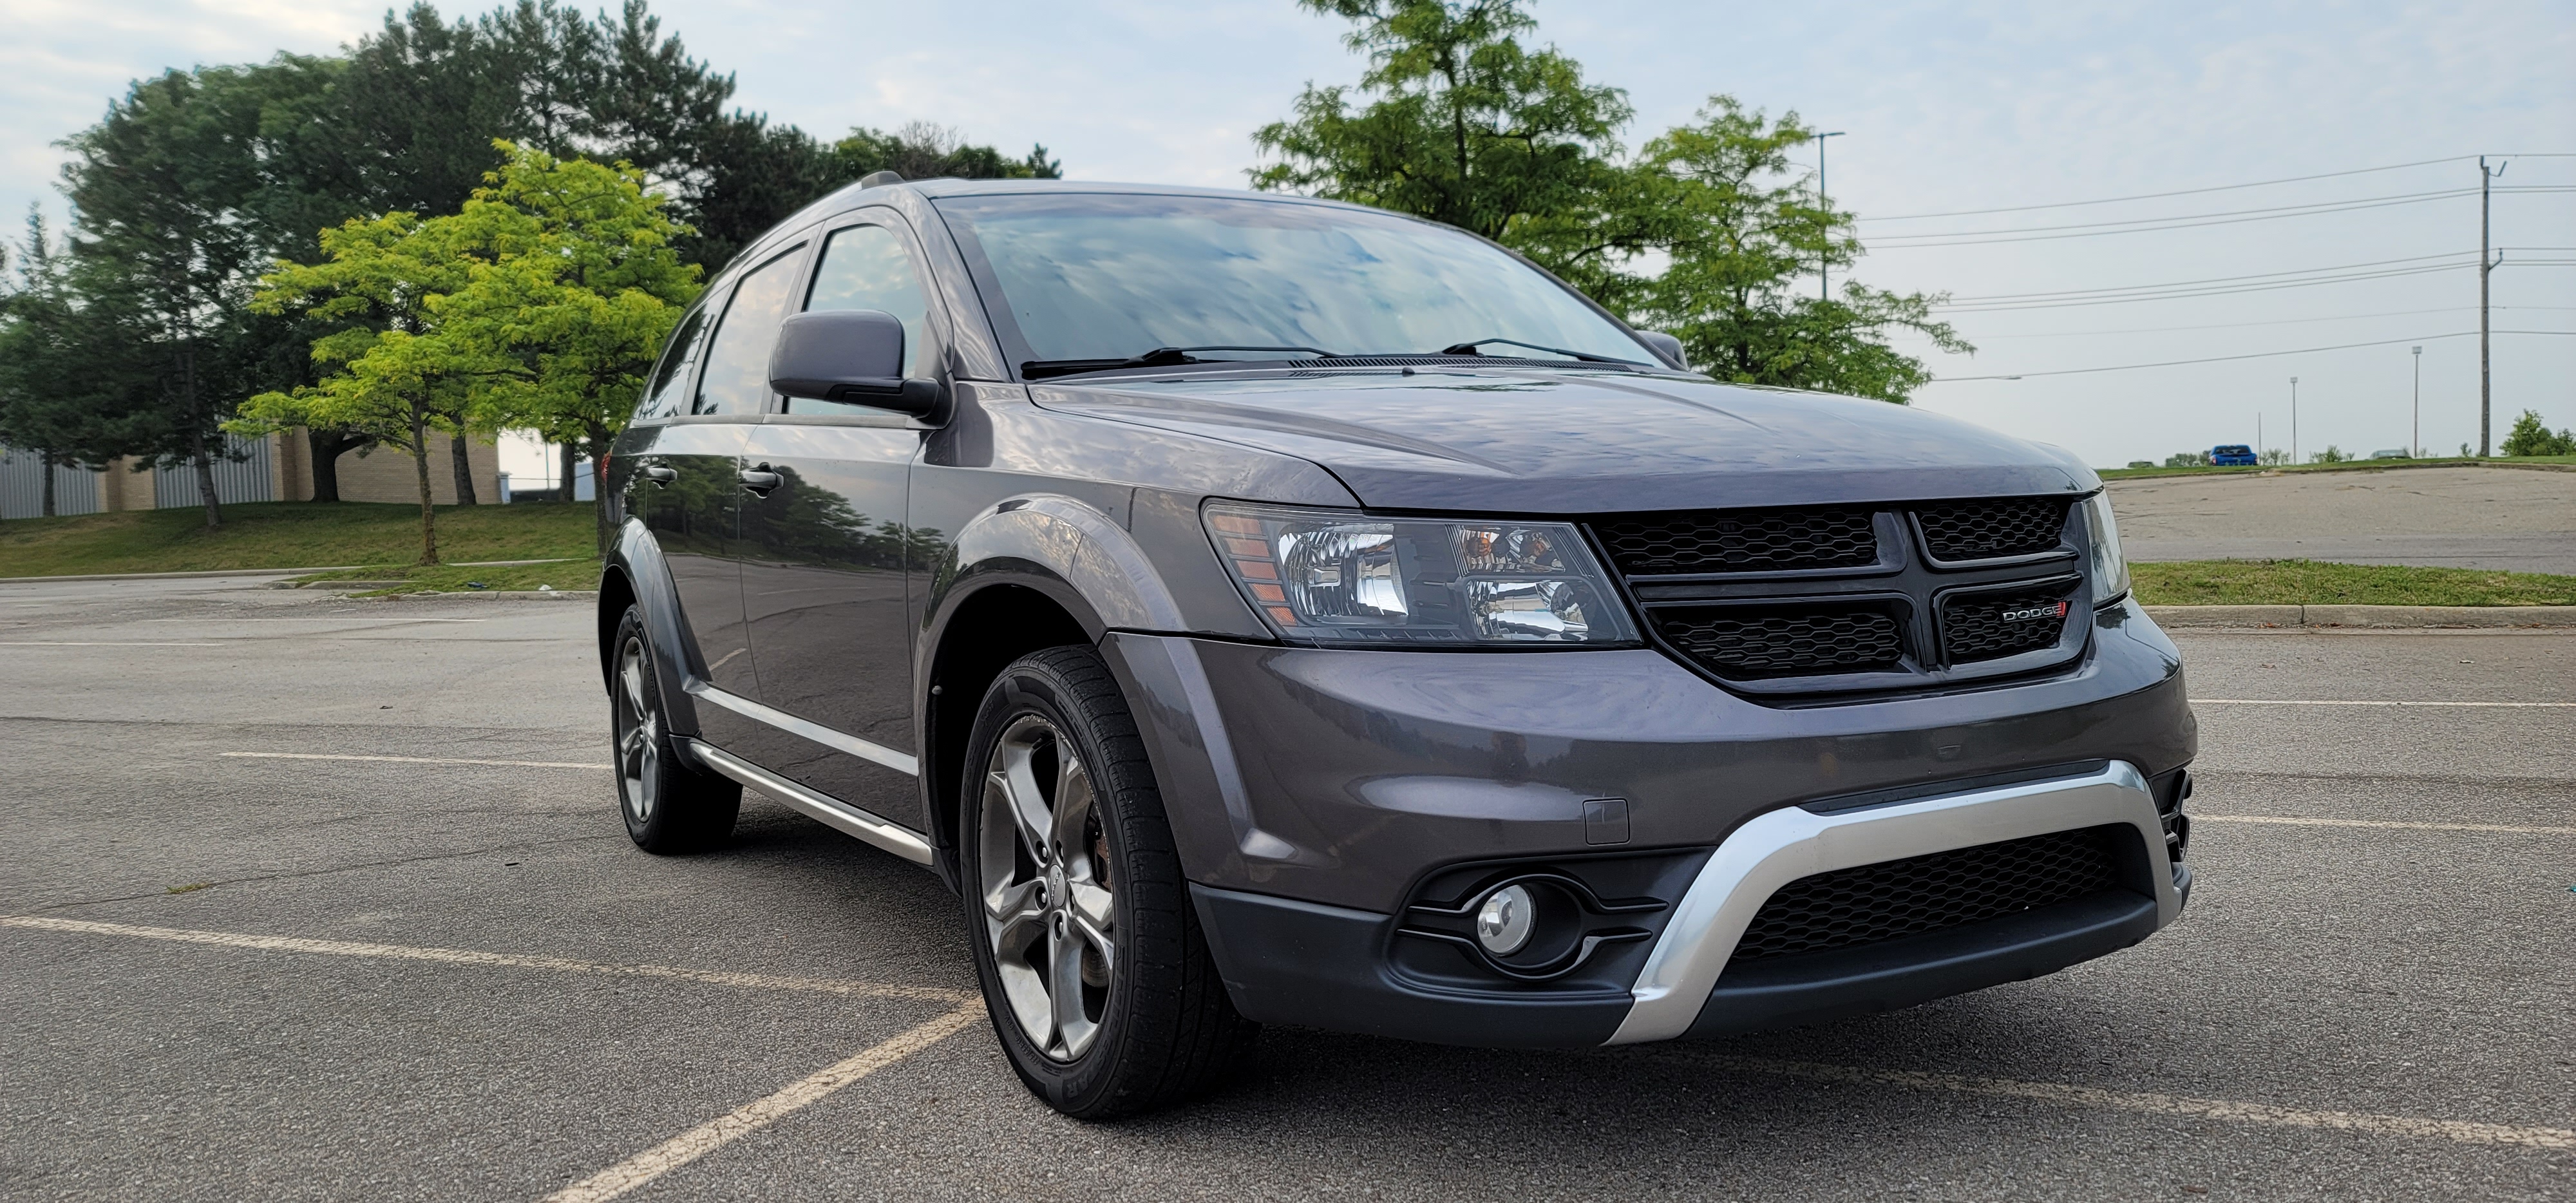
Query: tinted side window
point(737, 375)
point(867, 267)
point(663, 397)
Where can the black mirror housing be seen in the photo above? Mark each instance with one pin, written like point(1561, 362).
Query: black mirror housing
point(1667, 346)
point(849, 355)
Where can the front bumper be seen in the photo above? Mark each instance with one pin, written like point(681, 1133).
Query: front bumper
point(1324, 801)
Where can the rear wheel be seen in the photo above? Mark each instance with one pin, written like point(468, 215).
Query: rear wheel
point(1099, 983)
point(669, 806)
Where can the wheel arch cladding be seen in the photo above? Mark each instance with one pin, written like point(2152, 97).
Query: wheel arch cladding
point(635, 575)
point(988, 628)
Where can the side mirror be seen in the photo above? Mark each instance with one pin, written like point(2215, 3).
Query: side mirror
point(1667, 346)
point(851, 355)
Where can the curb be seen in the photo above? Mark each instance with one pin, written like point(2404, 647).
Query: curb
point(2381, 617)
point(215, 572)
point(488, 594)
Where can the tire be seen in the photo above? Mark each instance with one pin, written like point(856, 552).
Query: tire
point(1097, 979)
point(669, 806)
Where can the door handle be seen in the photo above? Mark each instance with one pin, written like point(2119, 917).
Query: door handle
point(759, 481)
point(660, 475)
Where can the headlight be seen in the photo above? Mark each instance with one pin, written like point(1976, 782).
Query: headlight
point(1334, 576)
point(2110, 570)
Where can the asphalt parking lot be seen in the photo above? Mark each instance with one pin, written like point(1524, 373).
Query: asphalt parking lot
point(317, 898)
point(2507, 519)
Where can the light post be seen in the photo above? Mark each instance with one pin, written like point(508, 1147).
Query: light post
point(1824, 257)
point(2419, 402)
point(2294, 419)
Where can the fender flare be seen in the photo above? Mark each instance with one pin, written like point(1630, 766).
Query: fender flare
point(638, 558)
point(1075, 554)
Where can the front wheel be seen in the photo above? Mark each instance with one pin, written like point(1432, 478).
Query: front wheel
point(1099, 983)
point(669, 806)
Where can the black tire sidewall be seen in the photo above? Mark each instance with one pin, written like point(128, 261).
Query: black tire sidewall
point(1083, 1086)
point(691, 810)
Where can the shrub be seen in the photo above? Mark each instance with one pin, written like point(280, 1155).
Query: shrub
point(2529, 437)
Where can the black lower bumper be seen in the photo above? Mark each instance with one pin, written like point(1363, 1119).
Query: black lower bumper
point(1311, 965)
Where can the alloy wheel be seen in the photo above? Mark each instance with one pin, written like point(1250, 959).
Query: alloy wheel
point(1047, 893)
point(639, 736)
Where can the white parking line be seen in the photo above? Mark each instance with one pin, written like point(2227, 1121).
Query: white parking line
point(2459, 1131)
point(2311, 702)
point(515, 764)
point(116, 643)
point(2287, 821)
point(725, 1129)
point(465, 956)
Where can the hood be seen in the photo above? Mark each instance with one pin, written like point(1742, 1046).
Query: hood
point(1547, 442)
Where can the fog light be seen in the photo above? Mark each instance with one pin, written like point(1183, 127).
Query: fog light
point(1503, 923)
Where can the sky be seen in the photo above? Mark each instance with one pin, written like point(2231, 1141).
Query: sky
point(1944, 108)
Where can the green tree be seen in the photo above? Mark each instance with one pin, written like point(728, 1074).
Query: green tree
point(60, 365)
point(387, 374)
point(574, 284)
point(1706, 232)
point(2530, 437)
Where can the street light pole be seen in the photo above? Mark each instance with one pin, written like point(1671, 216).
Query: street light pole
point(1824, 256)
point(2294, 419)
point(2419, 402)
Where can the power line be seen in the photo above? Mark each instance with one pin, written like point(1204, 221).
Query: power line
point(2173, 363)
point(2190, 294)
point(2137, 221)
point(1972, 238)
point(2302, 271)
point(2287, 321)
point(2113, 200)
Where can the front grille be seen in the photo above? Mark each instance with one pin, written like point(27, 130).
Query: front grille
point(1993, 527)
point(1989, 626)
point(1739, 541)
point(1764, 642)
point(1921, 894)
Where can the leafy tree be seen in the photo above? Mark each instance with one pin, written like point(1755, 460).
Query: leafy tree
point(2530, 437)
point(1706, 232)
point(2185, 459)
point(2331, 455)
point(59, 368)
point(389, 377)
point(574, 284)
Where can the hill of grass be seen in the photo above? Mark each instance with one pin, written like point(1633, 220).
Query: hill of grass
point(290, 534)
point(2312, 583)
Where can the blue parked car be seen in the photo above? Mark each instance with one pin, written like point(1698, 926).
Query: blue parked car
point(2231, 455)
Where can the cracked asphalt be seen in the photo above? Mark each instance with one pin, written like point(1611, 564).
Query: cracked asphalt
point(227, 976)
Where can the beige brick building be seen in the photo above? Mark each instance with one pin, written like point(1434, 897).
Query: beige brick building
point(276, 467)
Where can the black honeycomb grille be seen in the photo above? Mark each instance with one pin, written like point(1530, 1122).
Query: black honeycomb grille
point(1989, 626)
point(1992, 528)
point(1739, 541)
point(1921, 894)
point(1739, 642)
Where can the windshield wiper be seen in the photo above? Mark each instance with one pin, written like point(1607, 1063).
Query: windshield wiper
point(1470, 349)
point(1159, 357)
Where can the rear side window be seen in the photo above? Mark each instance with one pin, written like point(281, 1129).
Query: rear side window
point(662, 398)
point(736, 380)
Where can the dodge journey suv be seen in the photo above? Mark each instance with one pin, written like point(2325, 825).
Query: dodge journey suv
point(1265, 610)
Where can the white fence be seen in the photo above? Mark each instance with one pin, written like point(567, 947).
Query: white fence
point(236, 480)
point(22, 487)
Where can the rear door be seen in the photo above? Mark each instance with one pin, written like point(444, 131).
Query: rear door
point(693, 479)
point(823, 583)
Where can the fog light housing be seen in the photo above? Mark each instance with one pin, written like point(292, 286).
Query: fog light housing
point(1505, 919)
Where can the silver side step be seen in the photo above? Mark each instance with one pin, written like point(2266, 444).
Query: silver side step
point(830, 812)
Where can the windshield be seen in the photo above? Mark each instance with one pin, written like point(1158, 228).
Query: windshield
point(1113, 276)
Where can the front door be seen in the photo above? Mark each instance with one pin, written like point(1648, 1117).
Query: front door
point(823, 578)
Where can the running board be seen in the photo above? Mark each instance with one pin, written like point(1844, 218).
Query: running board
point(830, 812)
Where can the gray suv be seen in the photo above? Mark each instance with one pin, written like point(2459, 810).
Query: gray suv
point(1264, 610)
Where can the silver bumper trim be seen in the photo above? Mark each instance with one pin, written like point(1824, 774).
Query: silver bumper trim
point(830, 812)
point(1784, 845)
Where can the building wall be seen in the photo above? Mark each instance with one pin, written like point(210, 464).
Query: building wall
point(386, 473)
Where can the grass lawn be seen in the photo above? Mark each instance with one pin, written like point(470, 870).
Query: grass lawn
point(291, 534)
point(2310, 583)
point(580, 573)
point(2358, 465)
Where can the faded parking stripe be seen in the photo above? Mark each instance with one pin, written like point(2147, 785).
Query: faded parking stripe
point(512, 764)
point(725, 1129)
point(2386, 824)
point(464, 956)
point(2458, 1131)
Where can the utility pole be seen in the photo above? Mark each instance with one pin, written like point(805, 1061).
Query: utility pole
point(2486, 264)
point(1824, 258)
point(2419, 404)
point(2258, 438)
point(2294, 419)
